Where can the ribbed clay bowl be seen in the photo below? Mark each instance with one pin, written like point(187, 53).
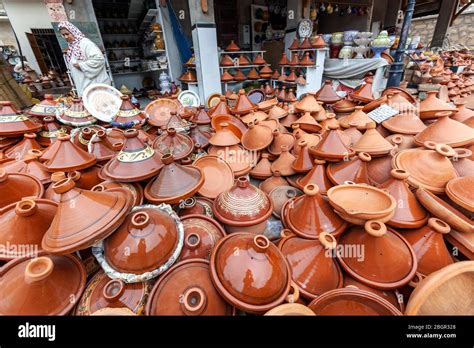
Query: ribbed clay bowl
point(361, 201)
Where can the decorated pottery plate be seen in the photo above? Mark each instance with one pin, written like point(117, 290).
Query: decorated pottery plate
point(189, 98)
point(102, 101)
point(213, 100)
point(159, 111)
point(305, 28)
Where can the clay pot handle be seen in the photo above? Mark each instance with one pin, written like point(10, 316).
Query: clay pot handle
point(375, 228)
point(462, 153)
point(311, 190)
point(63, 185)
point(26, 207)
point(261, 243)
point(38, 269)
point(439, 225)
point(364, 156)
point(113, 290)
point(167, 158)
point(399, 174)
point(140, 220)
point(445, 150)
point(98, 188)
point(192, 241)
point(327, 240)
point(397, 139)
point(294, 293)
point(187, 203)
point(58, 176)
point(417, 278)
point(193, 301)
point(117, 146)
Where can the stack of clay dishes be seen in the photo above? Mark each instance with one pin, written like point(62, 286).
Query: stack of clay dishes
point(19, 150)
point(405, 123)
point(25, 223)
point(179, 145)
point(429, 246)
point(358, 118)
point(14, 123)
point(364, 93)
point(31, 165)
point(174, 183)
point(51, 131)
point(461, 192)
point(262, 169)
point(358, 203)
point(224, 136)
point(344, 106)
point(326, 93)
point(243, 207)
point(446, 131)
point(43, 285)
point(201, 234)
point(64, 156)
point(355, 170)
point(416, 161)
point(186, 289)
point(311, 269)
point(372, 142)
point(47, 107)
point(102, 148)
point(331, 147)
point(218, 175)
point(352, 301)
point(135, 162)
point(257, 137)
point(389, 260)
point(463, 112)
point(316, 176)
point(432, 105)
point(257, 259)
point(76, 115)
point(283, 164)
point(146, 244)
point(409, 213)
point(103, 293)
point(310, 215)
point(72, 229)
point(308, 104)
point(128, 115)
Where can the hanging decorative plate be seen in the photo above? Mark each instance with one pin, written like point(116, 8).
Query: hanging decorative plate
point(102, 101)
point(305, 28)
point(189, 98)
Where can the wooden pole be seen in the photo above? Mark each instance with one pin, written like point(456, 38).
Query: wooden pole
point(446, 12)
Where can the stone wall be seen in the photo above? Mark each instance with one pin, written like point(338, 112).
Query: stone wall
point(461, 32)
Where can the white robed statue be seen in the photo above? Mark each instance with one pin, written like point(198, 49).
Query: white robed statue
point(86, 61)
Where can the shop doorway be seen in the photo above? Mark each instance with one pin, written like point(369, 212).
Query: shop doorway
point(47, 50)
point(227, 25)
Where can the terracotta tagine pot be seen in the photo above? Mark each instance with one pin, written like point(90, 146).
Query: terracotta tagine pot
point(303, 162)
point(244, 207)
point(326, 93)
point(352, 133)
point(195, 206)
point(21, 149)
point(51, 131)
point(372, 142)
point(280, 195)
point(272, 182)
point(135, 189)
point(257, 137)
point(308, 104)
point(221, 108)
point(254, 116)
point(14, 123)
point(103, 292)
point(71, 230)
point(344, 106)
point(316, 176)
point(256, 259)
point(355, 170)
point(47, 107)
point(446, 131)
point(199, 136)
point(76, 115)
point(263, 169)
point(102, 148)
point(146, 244)
point(408, 213)
point(42, 285)
point(283, 163)
point(224, 136)
point(135, 162)
point(201, 234)
point(463, 112)
point(364, 93)
point(357, 117)
point(201, 117)
point(24, 223)
point(433, 105)
point(429, 246)
point(461, 192)
point(218, 175)
point(128, 115)
point(15, 186)
point(310, 139)
point(308, 123)
point(415, 162)
point(30, 165)
point(389, 260)
point(310, 215)
point(280, 139)
point(462, 162)
point(332, 147)
point(243, 104)
point(352, 301)
point(404, 124)
point(277, 113)
point(82, 136)
point(400, 103)
point(174, 183)
point(312, 266)
point(232, 47)
point(187, 290)
point(239, 159)
point(380, 167)
point(179, 145)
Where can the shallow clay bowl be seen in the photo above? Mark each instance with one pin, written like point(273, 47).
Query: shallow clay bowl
point(218, 175)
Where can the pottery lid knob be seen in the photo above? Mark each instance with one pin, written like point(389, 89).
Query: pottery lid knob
point(35, 153)
point(398, 139)
point(333, 127)
point(370, 125)
point(319, 161)
point(75, 175)
point(63, 185)
point(462, 153)
point(375, 228)
point(358, 107)
point(48, 119)
point(101, 133)
point(276, 173)
point(188, 203)
point(113, 290)
point(445, 150)
point(194, 301)
point(29, 135)
point(286, 233)
point(327, 240)
point(167, 158)
point(58, 176)
point(261, 243)
point(130, 133)
point(171, 131)
point(284, 148)
point(38, 269)
point(364, 156)
point(192, 241)
point(64, 137)
point(5, 103)
point(241, 91)
point(294, 293)
point(439, 225)
point(399, 174)
point(311, 190)
point(242, 181)
point(140, 220)
point(26, 207)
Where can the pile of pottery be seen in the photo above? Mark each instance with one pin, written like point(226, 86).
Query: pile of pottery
point(296, 207)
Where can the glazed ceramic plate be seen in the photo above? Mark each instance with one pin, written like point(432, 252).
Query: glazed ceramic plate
point(218, 176)
point(102, 101)
point(305, 28)
point(256, 96)
point(213, 100)
point(159, 111)
point(14, 60)
point(189, 99)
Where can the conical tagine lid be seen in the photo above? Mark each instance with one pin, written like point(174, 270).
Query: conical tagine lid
point(41, 286)
point(201, 117)
point(308, 123)
point(254, 279)
point(463, 112)
point(64, 156)
point(221, 108)
point(13, 122)
point(327, 94)
point(83, 217)
point(404, 124)
point(316, 176)
point(179, 145)
point(136, 161)
point(372, 142)
point(128, 115)
point(283, 164)
point(76, 115)
point(355, 170)
point(429, 246)
point(308, 104)
point(21, 149)
point(257, 137)
point(174, 183)
point(15, 186)
point(243, 105)
point(432, 105)
point(389, 261)
point(224, 136)
point(309, 215)
point(47, 107)
point(364, 93)
point(331, 147)
point(51, 131)
point(359, 118)
point(30, 165)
